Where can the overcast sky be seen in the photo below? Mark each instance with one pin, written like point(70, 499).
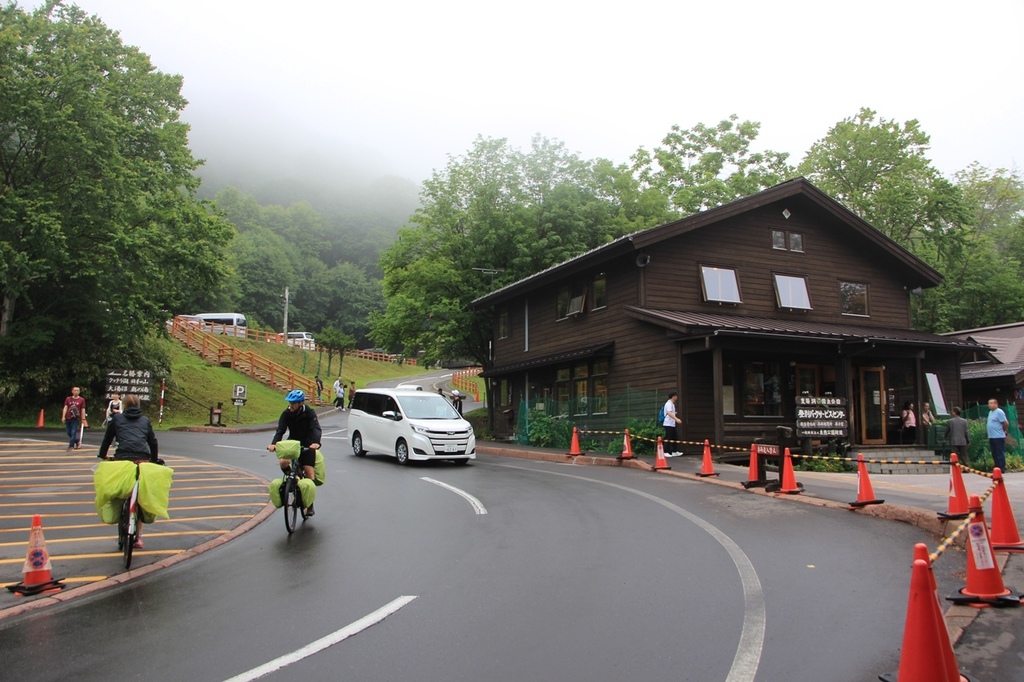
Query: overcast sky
point(399, 85)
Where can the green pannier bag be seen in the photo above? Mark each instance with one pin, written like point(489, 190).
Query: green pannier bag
point(288, 449)
point(275, 492)
point(154, 490)
point(308, 491)
point(113, 481)
point(319, 469)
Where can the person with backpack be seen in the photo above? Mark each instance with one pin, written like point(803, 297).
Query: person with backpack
point(669, 420)
point(73, 418)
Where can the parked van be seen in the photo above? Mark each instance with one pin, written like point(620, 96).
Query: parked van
point(230, 324)
point(302, 340)
point(409, 424)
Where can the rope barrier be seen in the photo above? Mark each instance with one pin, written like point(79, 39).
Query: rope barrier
point(969, 470)
point(589, 432)
point(948, 541)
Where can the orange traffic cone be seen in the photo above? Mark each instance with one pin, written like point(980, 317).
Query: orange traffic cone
point(789, 484)
point(36, 577)
point(754, 479)
point(575, 449)
point(707, 467)
point(865, 491)
point(924, 657)
point(42, 419)
point(659, 457)
point(956, 507)
point(944, 645)
point(1005, 536)
point(984, 581)
point(627, 447)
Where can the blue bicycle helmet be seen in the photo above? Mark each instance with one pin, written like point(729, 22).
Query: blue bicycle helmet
point(296, 396)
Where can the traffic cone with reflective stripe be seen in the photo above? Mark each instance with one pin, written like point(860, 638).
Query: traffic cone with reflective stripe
point(42, 420)
point(922, 658)
point(944, 645)
point(789, 484)
point(984, 580)
point(956, 506)
point(754, 479)
point(865, 491)
point(627, 447)
point(1005, 536)
point(36, 576)
point(707, 467)
point(575, 449)
point(659, 457)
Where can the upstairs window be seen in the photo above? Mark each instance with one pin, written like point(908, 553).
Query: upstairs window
point(503, 330)
point(853, 298)
point(600, 292)
point(570, 302)
point(720, 284)
point(784, 240)
point(791, 292)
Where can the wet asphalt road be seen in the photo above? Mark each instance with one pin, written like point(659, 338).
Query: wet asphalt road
point(565, 577)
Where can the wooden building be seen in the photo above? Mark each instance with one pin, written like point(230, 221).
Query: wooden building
point(742, 309)
point(996, 373)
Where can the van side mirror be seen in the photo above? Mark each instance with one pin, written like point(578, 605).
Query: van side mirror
point(391, 414)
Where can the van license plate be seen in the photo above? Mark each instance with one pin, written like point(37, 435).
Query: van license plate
point(451, 447)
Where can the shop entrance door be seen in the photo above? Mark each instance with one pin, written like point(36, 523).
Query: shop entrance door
point(872, 405)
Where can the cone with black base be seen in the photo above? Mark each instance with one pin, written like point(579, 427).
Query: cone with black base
point(659, 457)
point(42, 420)
point(865, 491)
point(627, 447)
point(36, 572)
point(984, 580)
point(574, 450)
point(926, 654)
point(956, 506)
point(789, 482)
point(707, 467)
point(1004, 535)
point(754, 477)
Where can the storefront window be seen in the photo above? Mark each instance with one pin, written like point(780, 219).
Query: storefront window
point(562, 398)
point(762, 389)
point(600, 401)
point(728, 388)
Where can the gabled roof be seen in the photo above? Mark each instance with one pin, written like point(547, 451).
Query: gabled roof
point(918, 273)
point(696, 324)
point(1005, 340)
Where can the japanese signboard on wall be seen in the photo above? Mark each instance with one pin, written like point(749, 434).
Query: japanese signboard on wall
point(130, 382)
point(821, 417)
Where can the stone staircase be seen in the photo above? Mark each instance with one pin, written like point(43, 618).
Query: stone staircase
point(904, 460)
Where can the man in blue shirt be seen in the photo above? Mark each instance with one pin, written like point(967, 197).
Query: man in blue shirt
point(998, 427)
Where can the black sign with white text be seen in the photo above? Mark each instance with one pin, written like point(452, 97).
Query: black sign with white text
point(821, 417)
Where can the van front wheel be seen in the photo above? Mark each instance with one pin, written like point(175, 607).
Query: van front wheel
point(402, 451)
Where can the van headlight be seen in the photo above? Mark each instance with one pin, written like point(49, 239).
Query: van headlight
point(420, 429)
point(469, 430)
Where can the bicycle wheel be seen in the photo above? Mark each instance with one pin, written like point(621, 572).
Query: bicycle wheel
point(129, 536)
point(122, 526)
point(292, 504)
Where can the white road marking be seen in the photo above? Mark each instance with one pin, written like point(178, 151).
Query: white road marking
point(748, 651)
point(324, 642)
point(478, 507)
point(239, 447)
point(331, 433)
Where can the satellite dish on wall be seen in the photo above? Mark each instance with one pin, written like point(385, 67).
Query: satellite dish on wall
point(642, 260)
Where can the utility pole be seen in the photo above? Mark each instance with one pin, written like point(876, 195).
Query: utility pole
point(286, 315)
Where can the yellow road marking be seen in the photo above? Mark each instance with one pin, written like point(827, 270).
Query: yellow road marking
point(220, 517)
point(100, 555)
point(217, 506)
point(104, 538)
point(78, 579)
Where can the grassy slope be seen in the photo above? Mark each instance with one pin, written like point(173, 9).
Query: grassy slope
point(195, 381)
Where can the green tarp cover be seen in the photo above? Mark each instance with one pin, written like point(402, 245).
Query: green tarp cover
point(275, 492)
point(114, 480)
point(306, 488)
point(288, 449)
point(319, 469)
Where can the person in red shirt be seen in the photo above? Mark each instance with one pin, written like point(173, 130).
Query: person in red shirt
point(73, 416)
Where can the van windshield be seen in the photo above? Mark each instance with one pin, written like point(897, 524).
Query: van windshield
point(429, 406)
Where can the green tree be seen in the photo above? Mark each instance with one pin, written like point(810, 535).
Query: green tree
point(335, 342)
point(100, 231)
point(707, 166)
point(492, 216)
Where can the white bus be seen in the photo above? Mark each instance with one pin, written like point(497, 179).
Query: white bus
point(229, 324)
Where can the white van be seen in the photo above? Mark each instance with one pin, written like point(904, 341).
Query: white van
point(302, 340)
point(409, 424)
point(229, 324)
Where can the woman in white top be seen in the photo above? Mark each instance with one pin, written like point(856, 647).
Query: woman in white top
point(114, 406)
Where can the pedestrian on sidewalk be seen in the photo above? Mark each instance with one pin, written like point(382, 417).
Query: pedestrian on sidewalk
point(958, 431)
point(319, 389)
point(339, 395)
point(457, 400)
point(351, 394)
point(73, 418)
point(997, 428)
point(908, 424)
point(670, 421)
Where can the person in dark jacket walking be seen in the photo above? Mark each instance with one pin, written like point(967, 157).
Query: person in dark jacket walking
point(134, 434)
point(958, 432)
point(302, 425)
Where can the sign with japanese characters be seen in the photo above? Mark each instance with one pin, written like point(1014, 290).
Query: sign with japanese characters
point(130, 382)
point(821, 417)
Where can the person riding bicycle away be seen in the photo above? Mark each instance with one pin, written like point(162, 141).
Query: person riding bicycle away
point(135, 439)
point(302, 425)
